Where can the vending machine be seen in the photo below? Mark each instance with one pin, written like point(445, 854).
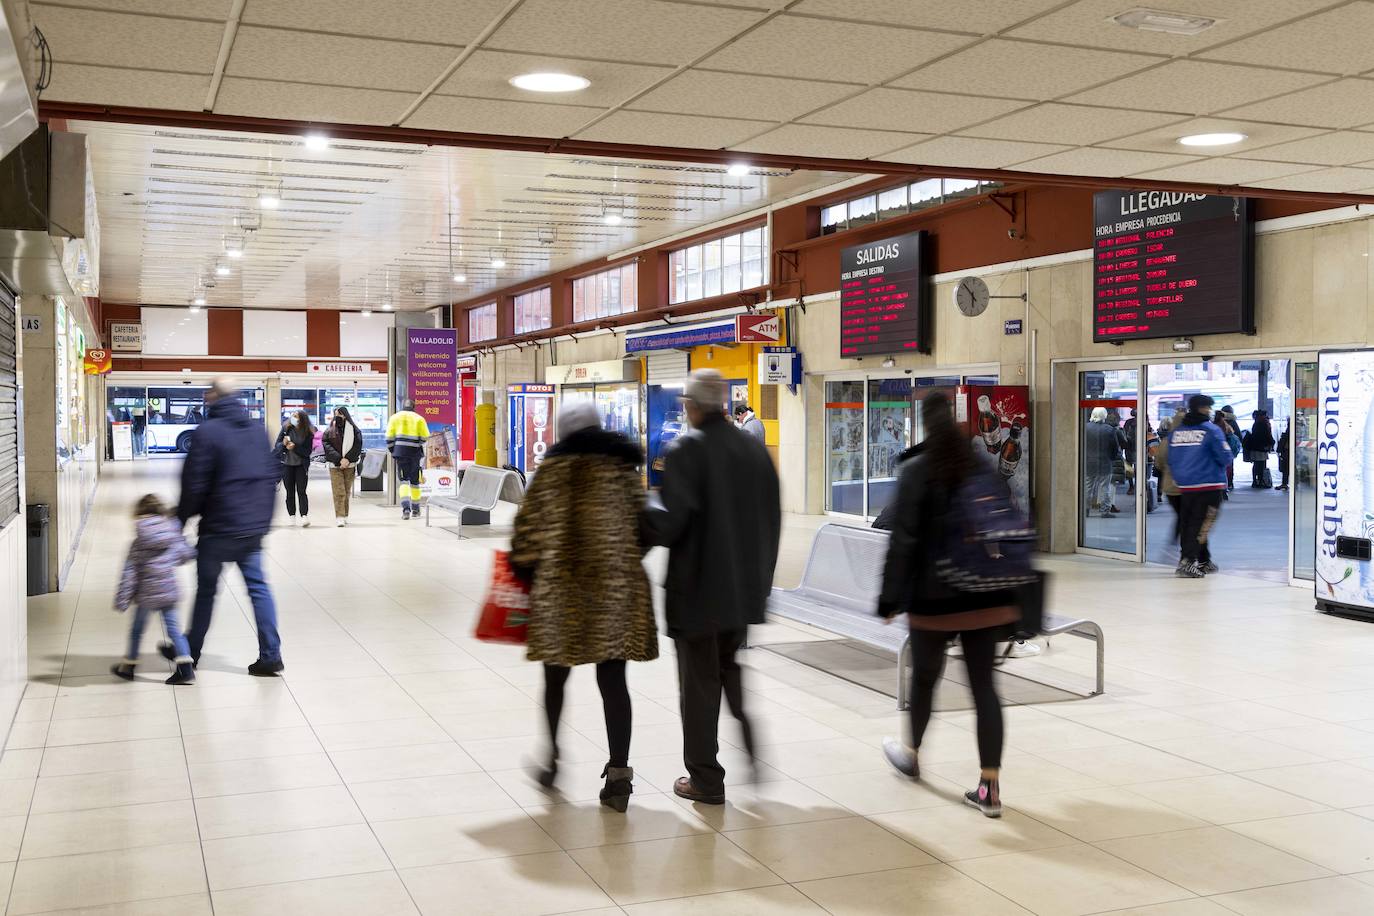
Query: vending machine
point(1344, 477)
point(997, 419)
point(531, 433)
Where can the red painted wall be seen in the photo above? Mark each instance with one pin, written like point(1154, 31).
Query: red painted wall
point(225, 332)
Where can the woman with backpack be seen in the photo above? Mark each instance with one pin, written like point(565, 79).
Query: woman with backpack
point(929, 526)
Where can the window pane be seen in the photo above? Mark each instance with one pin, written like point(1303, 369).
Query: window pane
point(752, 254)
point(892, 202)
point(833, 219)
point(630, 302)
point(677, 267)
point(694, 272)
point(710, 268)
point(482, 322)
point(578, 293)
point(923, 192)
point(730, 264)
point(532, 311)
point(955, 186)
point(864, 210)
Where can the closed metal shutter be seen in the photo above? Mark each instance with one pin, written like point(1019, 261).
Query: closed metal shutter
point(666, 367)
point(9, 410)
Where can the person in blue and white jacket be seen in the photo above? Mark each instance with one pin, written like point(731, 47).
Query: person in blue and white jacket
point(1198, 457)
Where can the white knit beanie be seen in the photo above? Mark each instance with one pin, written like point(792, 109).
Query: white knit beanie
point(576, 416)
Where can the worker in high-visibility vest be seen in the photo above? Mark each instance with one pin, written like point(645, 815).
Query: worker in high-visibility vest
point(406, 433)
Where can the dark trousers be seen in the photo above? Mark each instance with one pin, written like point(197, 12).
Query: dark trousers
point(294, 478)
point(1197, 513)
point(927, 666)
point(706, 668)
point(212, 552)
point(615, 703)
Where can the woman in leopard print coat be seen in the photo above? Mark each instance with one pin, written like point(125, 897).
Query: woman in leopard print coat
point(577, 541)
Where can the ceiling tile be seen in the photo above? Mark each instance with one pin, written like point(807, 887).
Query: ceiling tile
point(974, 153)
point(1088, 22)
point(135, 88)
point(1257, 134)
point(977, 16)
point(1195, 87)
point(1335, 41)
point(1344, 147)
point(1024, 70)
point(1072, 124)
point(851, 52)
point(1112, 163)
point(182, 9)
point(1221, 170)
point(928, 112)
point(421, 20)
point(735, 95)
point(1342, 103)
point(842, 143)
point(1340, 179)
point(336, 60)
point(302, 102)
point(672, 129)
point(487, 116)
point(114, 39)
point(486, 74)
point(639, 31)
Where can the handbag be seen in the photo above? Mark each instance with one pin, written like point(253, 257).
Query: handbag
point(506, 612)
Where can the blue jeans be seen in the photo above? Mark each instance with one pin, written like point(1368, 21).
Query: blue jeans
point(169, 620)
point(212, 552)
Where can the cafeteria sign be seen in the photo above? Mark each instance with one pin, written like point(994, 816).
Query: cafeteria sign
point(98, 362)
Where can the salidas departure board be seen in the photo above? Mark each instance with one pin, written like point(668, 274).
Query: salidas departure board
point(1169, 264)
point(883, 297)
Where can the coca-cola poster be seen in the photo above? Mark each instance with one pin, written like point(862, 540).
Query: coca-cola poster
point(999, 426)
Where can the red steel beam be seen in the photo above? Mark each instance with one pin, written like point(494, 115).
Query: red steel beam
point(206, 120)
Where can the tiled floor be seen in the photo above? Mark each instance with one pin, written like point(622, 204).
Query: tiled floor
point(1230, 768)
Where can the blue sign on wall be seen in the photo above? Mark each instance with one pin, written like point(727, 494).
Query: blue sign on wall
point(695, 335)
point(1011, 326)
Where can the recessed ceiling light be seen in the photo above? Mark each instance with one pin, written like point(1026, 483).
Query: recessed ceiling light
point(199, 300)
point(1224, 138)
point(549, 82)
point(460, 278)
point(221, 270)
point(1164, 21)
point(612, 219)
point(498, 263)
point(386, 306)
point(738, 170)
point(268, 200)
point(316, 142)
point(367, 313)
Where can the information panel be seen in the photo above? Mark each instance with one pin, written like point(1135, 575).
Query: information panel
point(1168, 264)
point(884, 304)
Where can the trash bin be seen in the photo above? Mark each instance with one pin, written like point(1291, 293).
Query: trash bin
point(373, 471)
point(38, 548)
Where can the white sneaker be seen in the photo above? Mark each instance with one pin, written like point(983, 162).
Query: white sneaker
point(305, 523)
point(1023, 648)
point(340, 523)
point(295, 522)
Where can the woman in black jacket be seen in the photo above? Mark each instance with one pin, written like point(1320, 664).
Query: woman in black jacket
point(1258, 447)
point(936, 612)
point(294, 442)
point(343, 446)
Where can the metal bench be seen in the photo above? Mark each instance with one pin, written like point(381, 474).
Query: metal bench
point(480, 489)
point(839, 592)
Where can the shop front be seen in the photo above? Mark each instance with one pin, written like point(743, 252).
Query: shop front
point(613, 386)
point(529, 408)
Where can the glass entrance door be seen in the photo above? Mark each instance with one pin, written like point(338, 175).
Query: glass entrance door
point(1301, 476)
point(1107, 514)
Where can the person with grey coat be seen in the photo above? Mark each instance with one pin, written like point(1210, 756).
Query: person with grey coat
point(149, 583)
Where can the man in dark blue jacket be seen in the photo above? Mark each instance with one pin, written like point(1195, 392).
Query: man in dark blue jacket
point(229, 480)
point(1198, 457)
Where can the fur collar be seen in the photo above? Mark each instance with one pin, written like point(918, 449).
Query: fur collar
point(599, 442)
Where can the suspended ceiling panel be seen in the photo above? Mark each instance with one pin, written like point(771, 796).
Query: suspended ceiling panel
point(366, 224)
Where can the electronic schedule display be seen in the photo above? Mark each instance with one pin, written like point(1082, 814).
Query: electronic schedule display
point(1169, 264)
point(884, 305)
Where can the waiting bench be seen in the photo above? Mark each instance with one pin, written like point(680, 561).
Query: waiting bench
point(839, 592)
point(480, 489)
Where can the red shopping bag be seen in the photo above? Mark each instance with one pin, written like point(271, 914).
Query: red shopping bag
point(506, 612)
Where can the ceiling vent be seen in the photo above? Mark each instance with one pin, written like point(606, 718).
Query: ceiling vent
point(1148, 20)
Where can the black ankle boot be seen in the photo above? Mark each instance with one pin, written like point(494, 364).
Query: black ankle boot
point(123, 671)
point(549, 775)
point(184, 674)
point(619, 787)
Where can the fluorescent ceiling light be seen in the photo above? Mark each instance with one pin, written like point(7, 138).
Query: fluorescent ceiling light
point(1224, 138)
point(316, 142)
point(612, 219)
point(199, 300)
point(367, 313)
point(221, 270)
point(1164, 21)
point(386, 306)
point(738, 170)
point(498, 263)
point(460, 278)
point(549, 82)
point(268, 200)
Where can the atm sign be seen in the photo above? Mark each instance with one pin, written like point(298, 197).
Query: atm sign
point(765, 329)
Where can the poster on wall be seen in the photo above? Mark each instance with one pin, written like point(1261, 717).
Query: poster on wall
point(432, 383)
point(999, 429)
point(1344, 477)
